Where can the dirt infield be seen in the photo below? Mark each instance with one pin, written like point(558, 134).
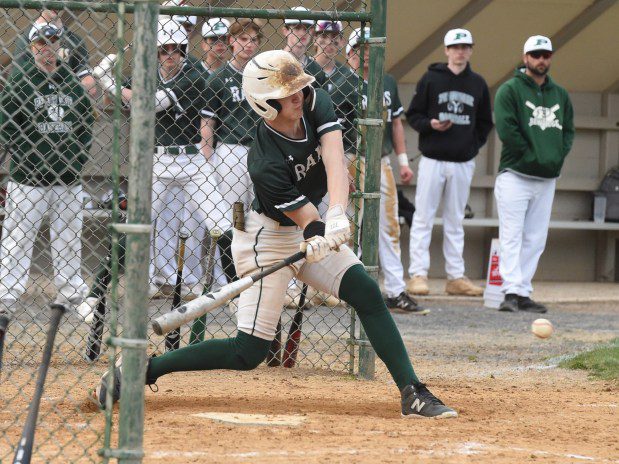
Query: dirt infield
point(514, 405)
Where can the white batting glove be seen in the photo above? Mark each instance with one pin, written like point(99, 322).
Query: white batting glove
point(315, 248)
point(103, 73)
point(337, 227)
point(87, 308)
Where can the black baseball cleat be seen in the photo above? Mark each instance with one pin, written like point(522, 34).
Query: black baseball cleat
point(418, 401)
point(100, 393)
point(510, 303)
point(527, 304)
point(403, 303)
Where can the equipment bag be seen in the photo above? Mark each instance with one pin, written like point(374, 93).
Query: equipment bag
point(609, 188)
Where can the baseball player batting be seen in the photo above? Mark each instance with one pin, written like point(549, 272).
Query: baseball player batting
point(296, 158)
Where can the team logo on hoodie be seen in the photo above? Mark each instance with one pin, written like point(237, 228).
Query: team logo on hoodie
point(544, 117)
point(456, 102)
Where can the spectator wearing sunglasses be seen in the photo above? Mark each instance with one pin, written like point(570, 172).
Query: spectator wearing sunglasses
point(534, 120)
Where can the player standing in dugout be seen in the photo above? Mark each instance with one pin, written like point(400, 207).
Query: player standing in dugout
point(229, 118)
point(451, 111)
point(184, 194)
point(46, 119)
point(345, 99)
point(329, 41)
point(299, 35)
point(297, 157)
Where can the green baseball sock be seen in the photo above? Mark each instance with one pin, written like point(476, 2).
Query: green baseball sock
point(243, 352)
point(360, 291)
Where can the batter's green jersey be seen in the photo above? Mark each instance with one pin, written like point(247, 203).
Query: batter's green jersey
point(289, 173)
point(312, 68)
point(179, 124)
point(345, 100)
point(225, 102)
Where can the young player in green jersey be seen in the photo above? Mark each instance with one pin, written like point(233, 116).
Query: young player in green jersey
point(299, 35)
point(345, 98)
point(297, 156)
point(184, 192)
point(214, 45)
point(230, 118)
point(329, 42)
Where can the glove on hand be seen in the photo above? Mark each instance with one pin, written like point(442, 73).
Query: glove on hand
point(337, 227)
point(103, 73)
point(315, 248)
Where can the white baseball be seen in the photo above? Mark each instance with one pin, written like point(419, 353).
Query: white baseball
point(541, 328)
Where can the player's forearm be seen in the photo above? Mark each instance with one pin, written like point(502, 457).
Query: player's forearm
point(207, 131)
point(397, 132)
point(335, 165)
point(304, 215)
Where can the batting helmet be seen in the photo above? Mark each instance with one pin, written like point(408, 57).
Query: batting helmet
point(273, 75)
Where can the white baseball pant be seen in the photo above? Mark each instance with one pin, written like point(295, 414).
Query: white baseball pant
point(264, 243)
point(451, 182)
point(183, 195)
point(26, 207)
point(524, 205)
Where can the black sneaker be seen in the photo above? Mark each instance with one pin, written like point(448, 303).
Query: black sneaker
point(510, 303)
point(405, 304)
point(151, 381)
point(527, 304)
point(100, 393)
point(418, 401)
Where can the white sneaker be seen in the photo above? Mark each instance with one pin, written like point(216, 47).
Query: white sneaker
point(87, 309)
point(191, 292)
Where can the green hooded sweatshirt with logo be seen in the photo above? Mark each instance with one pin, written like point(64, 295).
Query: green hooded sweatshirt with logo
point(46, 121)
point(535, 124)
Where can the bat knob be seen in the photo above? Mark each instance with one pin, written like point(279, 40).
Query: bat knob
point(157, 328)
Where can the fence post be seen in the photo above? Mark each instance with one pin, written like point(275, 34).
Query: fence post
point(374, 142)
point(131, 421)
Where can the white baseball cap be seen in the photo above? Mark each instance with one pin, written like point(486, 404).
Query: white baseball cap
point(215, 27)
point(458, 37)
point(355, 38)
point(326, 25)
point(537, 42)
point(292, 22)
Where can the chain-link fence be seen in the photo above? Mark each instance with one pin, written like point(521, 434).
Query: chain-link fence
point(65, 134)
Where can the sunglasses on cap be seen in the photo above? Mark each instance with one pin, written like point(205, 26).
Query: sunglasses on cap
point(537, 54)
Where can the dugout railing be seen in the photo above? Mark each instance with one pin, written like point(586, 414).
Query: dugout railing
point(120, 157)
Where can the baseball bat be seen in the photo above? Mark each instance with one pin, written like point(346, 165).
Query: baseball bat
point(202, 305)
point(173, 339)
point(199, 325)
point(4, 324)
point(23, 453)
point(274, 356)
point(294, 334)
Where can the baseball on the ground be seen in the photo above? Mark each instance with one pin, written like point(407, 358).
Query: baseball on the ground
point(541, 328)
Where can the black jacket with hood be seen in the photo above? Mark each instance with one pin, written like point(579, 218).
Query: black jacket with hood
point(461, 98)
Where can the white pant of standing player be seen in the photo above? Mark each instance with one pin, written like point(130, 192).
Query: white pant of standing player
point(26, 207)
point(451, 182)
point(524, 205)
point(184, 195)
point(234, 181)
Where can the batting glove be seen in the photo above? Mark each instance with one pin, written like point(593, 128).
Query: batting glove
point(103, 73)
point(337, 227)
point(316, 249)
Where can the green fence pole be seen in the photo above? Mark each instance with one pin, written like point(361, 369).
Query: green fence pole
point(374, 138)
point(134, 341)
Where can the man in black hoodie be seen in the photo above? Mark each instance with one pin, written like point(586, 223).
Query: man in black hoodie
point(451, 111)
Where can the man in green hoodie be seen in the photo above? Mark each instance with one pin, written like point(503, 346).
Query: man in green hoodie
point(534, 120)
point(46, 124)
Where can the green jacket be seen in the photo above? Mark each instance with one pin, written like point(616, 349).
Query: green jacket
point(46, 123)
point(535, 124)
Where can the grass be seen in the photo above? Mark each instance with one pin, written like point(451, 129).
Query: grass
point(601, 362)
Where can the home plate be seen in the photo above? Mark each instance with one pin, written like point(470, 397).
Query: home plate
point(252, 419)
